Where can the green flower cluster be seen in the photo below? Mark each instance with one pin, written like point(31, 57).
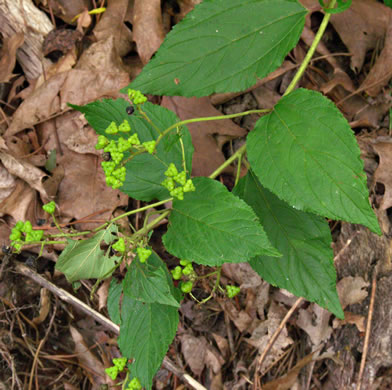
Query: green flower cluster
point(143, 254)
point(176, 182)
point(134, 384)
point(119, 246)
point(136, 96)
point(232, 291)
point(118, 366)
point(187, 272)
point(49, 207)
point(23, 233)
point(114, 172)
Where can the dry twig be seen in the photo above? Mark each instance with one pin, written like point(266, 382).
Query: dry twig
point(368, 330)
point(272, 341)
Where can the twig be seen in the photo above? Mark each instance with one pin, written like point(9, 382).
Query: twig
point(69, 298)
point(272, 341)
point(368, 330)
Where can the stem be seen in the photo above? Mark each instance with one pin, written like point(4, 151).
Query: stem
point(112, 220)
point(237, 176)
point(151, 225)
point(145, 116)
point(56, 224)
point(210, 118)
point(235, 156)
point(311, 51)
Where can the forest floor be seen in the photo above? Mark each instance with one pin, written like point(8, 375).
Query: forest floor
point(47, 152)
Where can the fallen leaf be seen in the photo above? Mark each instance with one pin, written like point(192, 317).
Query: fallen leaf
point(61, 40)
point(103, 55)
point(194, 351)
point(112, 24)
point(381, 72)
point(263, 332)
point(242, 274)
point(103, 293)
point(85, 181)
point(213, 359)
point(359, 32)
point(241, 319)
point(75, 86)
point(287, 381)
point(383, 172)
point(208, 152)
point(350, 318)
point(44, 306)
point(68, 9)
point(351, 290)
point(7, 183)
point(25, 171)
point(222, 344)
point(8, 56)
point(315, 322)
point(147, 27)
point(93, 368)
point(20, 204)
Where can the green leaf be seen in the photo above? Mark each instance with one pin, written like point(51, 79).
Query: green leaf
point(146, 331)
point(211, 226)
point(306, 153)
point(145, 172)
point(388, 3)
point(85, 259)
point(223, 46)
point(306, 268)
point(113, 303)
point(341, 6)
point(149, 282)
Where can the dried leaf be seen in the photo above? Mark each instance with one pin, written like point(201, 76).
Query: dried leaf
point(8, 56)
point(7, 183)
point(241, 318)
point(194, 351)
point(208, 155)
point(264, 331)
point(20, 205)
point(242, 274)
point(147, 27)
point(95, 370)
point(52, 97)
point(351, 318)
point(44, 307)
point(285, 382)
point(102, 293)
point(25, 171)
point(112, 24)
point(315, 322)
point(381, 72)
point(351, 290)
point(68, 9)
point(359, 32)
point(383, 172)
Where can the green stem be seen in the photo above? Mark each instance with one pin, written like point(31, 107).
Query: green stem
point(151, 225)
point(145, 116)
point(311, 51)
point(235, 156)
point(112, 220)
point(210, 118)
point(56, 224)
point(237, 176)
